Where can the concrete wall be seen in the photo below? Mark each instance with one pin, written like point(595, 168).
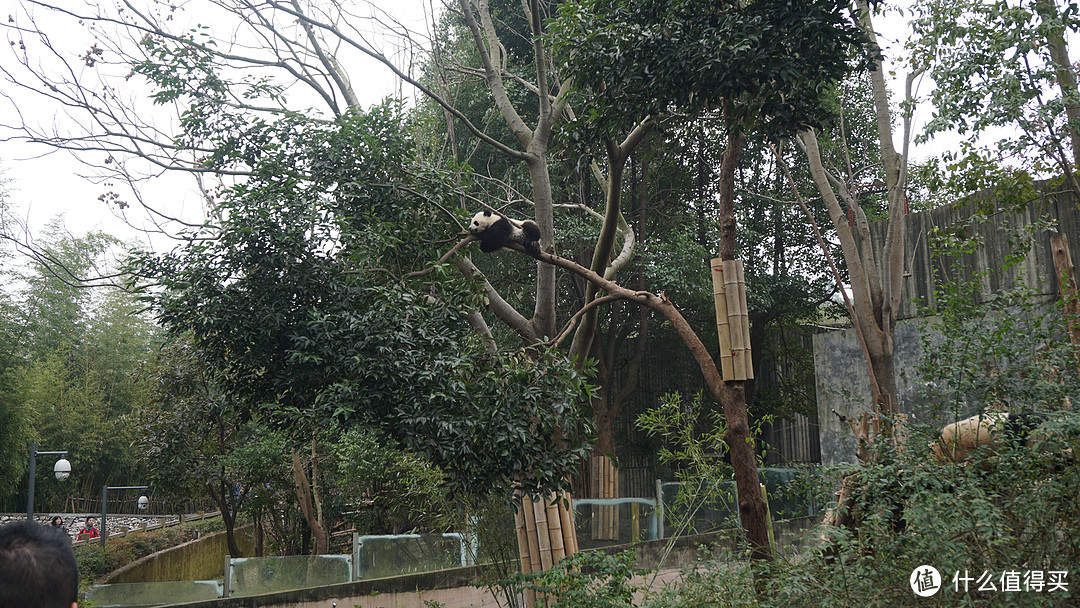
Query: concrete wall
point(195, 560)
point(457, 587)
point(841, 381)
point(842, 385)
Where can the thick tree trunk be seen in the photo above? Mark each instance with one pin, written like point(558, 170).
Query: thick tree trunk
point(543, 321)
point(303, 494)
point(732, 395)
point(729, 395)
point(228, 517)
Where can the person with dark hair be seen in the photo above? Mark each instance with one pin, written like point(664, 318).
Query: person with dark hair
point(88, 531)
point(56, 522)
point(37, 567)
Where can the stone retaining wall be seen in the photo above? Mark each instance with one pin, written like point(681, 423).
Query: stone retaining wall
point(118, 524)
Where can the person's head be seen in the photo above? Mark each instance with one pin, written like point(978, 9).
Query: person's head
point(58, 522)
point(90, 521)
point(37, 567)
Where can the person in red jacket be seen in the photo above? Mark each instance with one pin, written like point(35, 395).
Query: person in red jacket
point(88, 531)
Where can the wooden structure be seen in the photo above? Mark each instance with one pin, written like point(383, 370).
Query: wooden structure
point(604, 482)
point(546, 534)
point(732, 319)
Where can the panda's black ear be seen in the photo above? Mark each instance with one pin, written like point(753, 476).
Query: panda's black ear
point(487, 214)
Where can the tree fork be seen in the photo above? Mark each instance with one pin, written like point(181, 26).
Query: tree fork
point(730, 396)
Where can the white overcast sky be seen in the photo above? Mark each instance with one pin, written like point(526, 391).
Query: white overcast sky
point(44, 184)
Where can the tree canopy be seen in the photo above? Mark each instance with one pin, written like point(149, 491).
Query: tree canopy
point(298, 302)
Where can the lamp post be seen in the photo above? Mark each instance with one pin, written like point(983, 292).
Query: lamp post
point(104, 503)
point(62, 470)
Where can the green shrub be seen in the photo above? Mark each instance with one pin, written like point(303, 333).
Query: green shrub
point(590, 579)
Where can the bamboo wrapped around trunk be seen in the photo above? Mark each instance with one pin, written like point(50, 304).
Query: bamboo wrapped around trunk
point(604, 483)
point(546, 534)
point(723, 331)
point(732, 319)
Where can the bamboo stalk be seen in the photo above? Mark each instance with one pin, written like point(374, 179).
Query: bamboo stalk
point(535, 560)
point(768, 519)
point(595, 487)
point(523, 539)
point(566, 513)
point(731, 292)
point(543, 535)
point(558, 545)
point(744, 323)
point(605, 519)
point(613, 510)
point(605, 522)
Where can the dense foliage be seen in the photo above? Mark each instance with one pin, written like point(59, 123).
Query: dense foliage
point(296, 302)
point(773, 61)
point(1003, 519)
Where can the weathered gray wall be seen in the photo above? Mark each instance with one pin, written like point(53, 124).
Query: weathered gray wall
point(843, 386)
point(841, 380)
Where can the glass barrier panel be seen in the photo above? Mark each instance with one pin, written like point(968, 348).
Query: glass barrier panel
point(383, 556)
point(152, 594)
point(257, 575)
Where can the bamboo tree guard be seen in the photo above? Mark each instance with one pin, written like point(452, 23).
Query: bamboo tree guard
point(604, 483)
point(545, 530)
point(732, 319)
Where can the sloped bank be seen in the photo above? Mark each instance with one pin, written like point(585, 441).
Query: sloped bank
point(199, 559)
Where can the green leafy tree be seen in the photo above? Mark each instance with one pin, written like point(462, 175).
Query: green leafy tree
point(764, 66)
point(1002, 65)
point(874, 270)
point(404, 491)
point(78, 349)
point(15, 416)
point(224, 125)
point(56, 304)
point(188, 432)
point(295, 307)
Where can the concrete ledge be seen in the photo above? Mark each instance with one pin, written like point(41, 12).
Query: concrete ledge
point(460, 584)
point(197, 559)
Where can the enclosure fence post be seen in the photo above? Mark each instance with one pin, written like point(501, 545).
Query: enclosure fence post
point(228, 577)
point(660, 508)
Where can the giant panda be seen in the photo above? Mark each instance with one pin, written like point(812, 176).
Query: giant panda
point(959, 439)
point(495, 232)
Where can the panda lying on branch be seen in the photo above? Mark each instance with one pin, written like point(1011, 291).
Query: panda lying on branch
point(496, 232)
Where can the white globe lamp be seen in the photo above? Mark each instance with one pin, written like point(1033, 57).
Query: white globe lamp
point(62, 469)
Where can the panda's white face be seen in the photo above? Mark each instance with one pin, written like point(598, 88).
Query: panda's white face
point(481, 222)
